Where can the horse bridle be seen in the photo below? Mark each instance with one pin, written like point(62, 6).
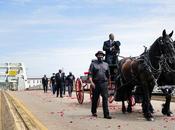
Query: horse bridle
point(161, 58)
point(166, 56)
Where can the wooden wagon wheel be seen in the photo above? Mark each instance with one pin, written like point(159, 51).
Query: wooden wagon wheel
point(90, 93)
point(79, 91)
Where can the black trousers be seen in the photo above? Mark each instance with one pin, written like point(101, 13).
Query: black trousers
point(100, 89)
point(112, 59)
point(70, 89)
point(109, 59)
point(45, 88)
point(64, 88)
point(59, 90)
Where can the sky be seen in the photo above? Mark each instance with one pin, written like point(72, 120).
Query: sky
point(48, 35)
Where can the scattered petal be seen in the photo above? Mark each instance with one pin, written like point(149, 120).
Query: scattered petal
point(51, 112)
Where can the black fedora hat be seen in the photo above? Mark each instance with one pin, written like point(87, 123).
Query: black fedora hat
point(99, 52)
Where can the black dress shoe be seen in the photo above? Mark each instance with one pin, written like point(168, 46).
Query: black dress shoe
point(94, 114)
point(108, 117)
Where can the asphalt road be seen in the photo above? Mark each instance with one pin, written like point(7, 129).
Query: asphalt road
point(66, 114)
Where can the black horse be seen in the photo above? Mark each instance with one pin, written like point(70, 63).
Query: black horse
point(143, 71)
point(167, 80)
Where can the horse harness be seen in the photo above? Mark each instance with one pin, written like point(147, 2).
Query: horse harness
point(145, 63)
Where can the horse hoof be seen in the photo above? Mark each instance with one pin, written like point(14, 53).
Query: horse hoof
point(150, 119)
point(170, 114)
point(164, 112)
point(152, 111)
point(124, 110)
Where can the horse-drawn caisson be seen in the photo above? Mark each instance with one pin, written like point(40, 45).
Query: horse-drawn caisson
point(142, 73)
point(82, 84)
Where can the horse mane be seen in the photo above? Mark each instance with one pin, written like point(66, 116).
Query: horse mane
point(153, 53)
point(155, 44)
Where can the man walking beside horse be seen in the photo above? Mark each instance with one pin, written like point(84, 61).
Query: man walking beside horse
point(99, 76)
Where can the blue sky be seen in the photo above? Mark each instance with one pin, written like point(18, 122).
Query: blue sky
point(50, 34)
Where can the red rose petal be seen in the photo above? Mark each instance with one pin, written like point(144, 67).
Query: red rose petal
point(51, 112)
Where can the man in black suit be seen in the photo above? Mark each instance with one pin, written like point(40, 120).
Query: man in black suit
point(59, 83)
point(112, 50)
point(53, 83)
point(63, 79)
point(45, 83)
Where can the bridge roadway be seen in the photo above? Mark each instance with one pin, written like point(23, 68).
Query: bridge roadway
point(66, 114)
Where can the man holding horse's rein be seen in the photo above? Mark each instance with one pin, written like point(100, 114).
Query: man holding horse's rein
point(99, 75)
point(112, 50)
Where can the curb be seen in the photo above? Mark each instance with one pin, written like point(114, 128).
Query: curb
point(30, 121)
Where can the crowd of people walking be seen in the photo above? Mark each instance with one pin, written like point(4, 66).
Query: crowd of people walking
point(59, 83)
